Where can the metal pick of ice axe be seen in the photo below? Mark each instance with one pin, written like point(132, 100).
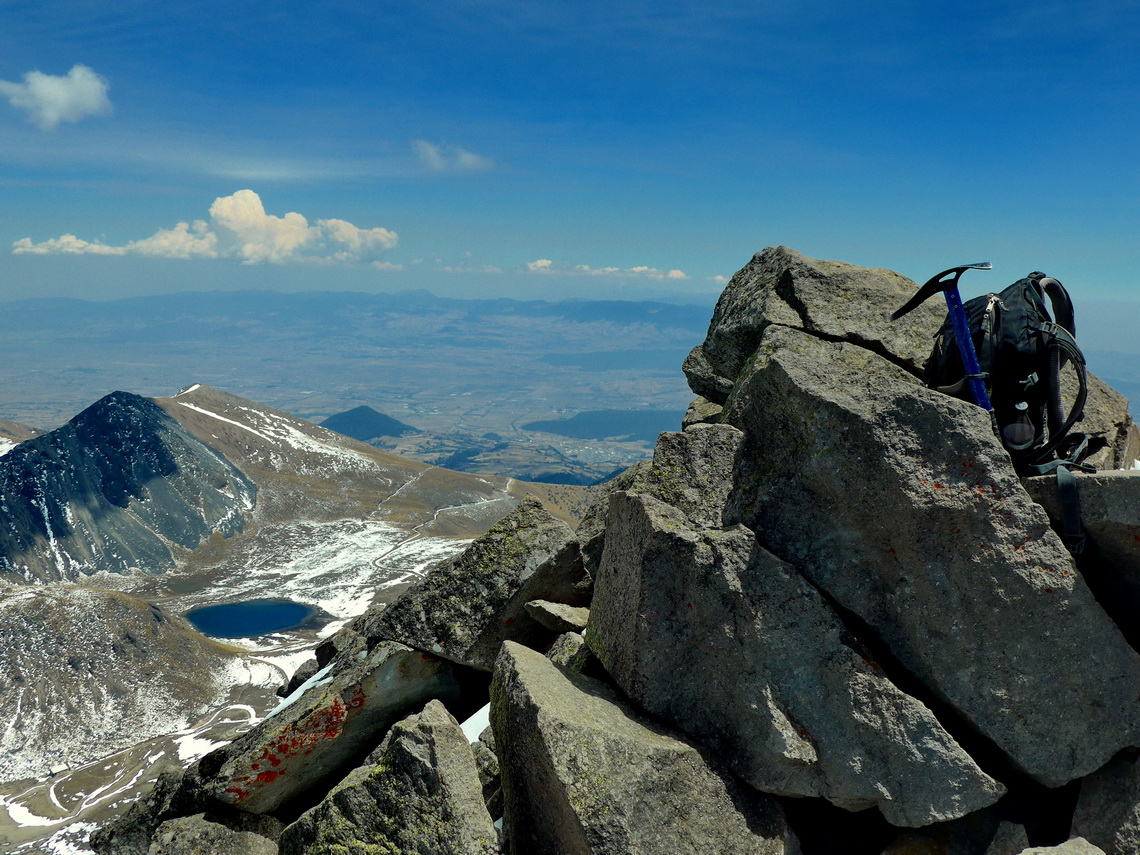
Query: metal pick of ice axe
point(947, 283)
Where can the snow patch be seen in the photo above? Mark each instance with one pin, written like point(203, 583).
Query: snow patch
point(71, 840)
point(191, 747)
point(279, 431)
point(476, 724)
point(321, 678)
point(23, 817)
point(6, 445)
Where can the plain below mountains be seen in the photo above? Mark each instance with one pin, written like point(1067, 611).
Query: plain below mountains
point(585, 449)
point(611, 424)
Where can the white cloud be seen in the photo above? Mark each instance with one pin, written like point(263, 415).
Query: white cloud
point(65, 245)
point(261, 236)
point(182, 241)
point(357, 241)
point(450, 159)
point(50, 99)
point(239, 227)
point(545, 265)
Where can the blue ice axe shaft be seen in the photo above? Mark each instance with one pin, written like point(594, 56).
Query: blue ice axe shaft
point(947, 283)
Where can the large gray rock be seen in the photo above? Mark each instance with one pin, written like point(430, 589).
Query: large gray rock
point(723, 640)
point(1009, 839)
point(194, 835)
point(980, 833)
point(900, 504)
point(286, 761)
point(1110, 517)
point(1108, 810)
point(558, 617)
point(464, 609)
point(419, 792)
point(830, 299)
point(1106, 420)
point(584, 774)
point(1075, 846)
point(702, 411)
point(692, 470)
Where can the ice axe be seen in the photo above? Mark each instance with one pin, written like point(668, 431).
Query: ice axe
point(947, 283)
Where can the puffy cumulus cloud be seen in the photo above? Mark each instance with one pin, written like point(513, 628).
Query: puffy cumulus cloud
point(50, 99)
point(545, 265)
point(182, 241)
point(450, 158)
point(241, 228)
point(355, 242)
point(260, 236)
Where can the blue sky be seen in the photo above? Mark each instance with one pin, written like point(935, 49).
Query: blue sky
point(595, 149)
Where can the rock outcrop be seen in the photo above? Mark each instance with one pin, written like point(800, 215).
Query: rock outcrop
point(900, 503)
point(315, 739)
point(466, 608)
point(583, 772)
point(826, 617)
point(418, 792)
point(1108, 811)
point(722, 639)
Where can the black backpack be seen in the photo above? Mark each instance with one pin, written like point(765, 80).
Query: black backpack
point(1021, 351)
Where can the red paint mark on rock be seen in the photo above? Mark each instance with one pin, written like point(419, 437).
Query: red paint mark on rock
point(267, 777)
point(509, 622)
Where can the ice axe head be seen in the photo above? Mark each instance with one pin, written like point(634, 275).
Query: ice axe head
point(945, 281)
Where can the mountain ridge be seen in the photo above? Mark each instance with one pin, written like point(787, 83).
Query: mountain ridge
point(111, 490)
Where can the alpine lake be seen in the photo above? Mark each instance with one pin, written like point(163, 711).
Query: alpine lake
point(251, 618)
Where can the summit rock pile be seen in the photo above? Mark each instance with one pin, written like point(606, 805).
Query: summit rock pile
point(826, 617)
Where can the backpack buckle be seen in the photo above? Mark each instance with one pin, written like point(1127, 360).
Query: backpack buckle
point(1031, 380)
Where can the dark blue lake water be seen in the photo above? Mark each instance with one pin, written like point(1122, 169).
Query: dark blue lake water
point(253, 617)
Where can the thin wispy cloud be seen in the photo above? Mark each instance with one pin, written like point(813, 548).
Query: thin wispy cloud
point(240, 228)
point(547, 267)
point(450, 158)
point(50, 99)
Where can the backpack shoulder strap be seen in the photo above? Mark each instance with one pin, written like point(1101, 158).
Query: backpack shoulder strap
point(1059, 299)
